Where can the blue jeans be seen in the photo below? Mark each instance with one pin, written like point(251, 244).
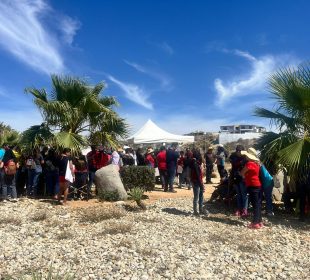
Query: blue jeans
point(52, 182)
point(242, 196)
point(163, 178)
point(267, 191)
point(171, 176)
point(9, 186)
point(33, 181)
point(198, 196)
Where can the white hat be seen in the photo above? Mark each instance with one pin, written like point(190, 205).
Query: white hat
point(252, 151)
point(249, 156)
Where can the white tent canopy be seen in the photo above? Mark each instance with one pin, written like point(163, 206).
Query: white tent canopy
point(151, 133)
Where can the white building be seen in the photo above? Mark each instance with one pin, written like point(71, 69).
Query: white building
point(232, 133)
point(242, 128)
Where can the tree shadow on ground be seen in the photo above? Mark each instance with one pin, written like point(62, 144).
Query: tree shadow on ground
point(225, 220)
point(281, 218)
point(177, 212)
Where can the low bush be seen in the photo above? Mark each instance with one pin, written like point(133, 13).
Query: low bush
point(138, 177)
point(108, 195)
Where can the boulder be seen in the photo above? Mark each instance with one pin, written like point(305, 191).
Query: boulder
point(107, 179)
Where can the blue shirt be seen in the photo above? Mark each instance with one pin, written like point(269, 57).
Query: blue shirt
point(2, 152)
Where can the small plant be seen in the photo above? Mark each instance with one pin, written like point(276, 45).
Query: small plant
point(98, 214)
point(136, 194)
point(109, 196)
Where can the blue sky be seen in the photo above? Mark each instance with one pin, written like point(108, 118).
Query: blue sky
point(187, 65)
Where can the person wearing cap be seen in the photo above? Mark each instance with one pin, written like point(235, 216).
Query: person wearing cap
point(210, 159)
point(250, 173)
point(237, 163)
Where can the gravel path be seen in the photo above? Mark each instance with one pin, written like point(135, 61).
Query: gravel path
point(164, 242)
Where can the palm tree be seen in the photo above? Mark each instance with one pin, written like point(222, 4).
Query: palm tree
point(74, 109)
point(291, 146)
point(8, 135)
point(36, 136)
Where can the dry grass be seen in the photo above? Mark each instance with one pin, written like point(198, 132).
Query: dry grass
point(64, 235)
point(115, 228)
point(10, 220)
point(39, 216)
point(98, 214)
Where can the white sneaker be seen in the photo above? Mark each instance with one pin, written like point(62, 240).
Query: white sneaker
point(14, 200)
point(5, 200)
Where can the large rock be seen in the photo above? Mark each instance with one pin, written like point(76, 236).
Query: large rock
point(107, 179)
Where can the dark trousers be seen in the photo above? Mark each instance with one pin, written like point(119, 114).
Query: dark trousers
point(52, 182)
point(221, 170)
point(304, 196)
point(255, 199)
point(163, 178)
point(209, 170)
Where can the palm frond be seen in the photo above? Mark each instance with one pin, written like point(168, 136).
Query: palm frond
point(70, 140)
point(296, 156)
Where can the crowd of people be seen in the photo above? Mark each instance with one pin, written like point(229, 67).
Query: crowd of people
point(46, 172)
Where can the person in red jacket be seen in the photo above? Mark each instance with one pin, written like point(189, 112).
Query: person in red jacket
point(250, 173)
point(162, 167)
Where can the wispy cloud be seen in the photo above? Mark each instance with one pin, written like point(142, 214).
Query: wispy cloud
point(164, 46)
point(165, 81)
point(68, 27)
point(25, 33)
point(260, 69)
point(133, 92)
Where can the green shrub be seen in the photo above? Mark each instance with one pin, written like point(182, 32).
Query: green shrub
point(108, 195)
point(138, 176)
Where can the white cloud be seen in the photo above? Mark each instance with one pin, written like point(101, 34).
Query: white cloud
point(165, 82)
point(25, 34)
point(166, 48)
point(69, 27)
point(133, 93)
point(261, 69)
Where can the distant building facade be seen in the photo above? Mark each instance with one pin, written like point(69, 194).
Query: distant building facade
point(242, 128)
point(232, 133)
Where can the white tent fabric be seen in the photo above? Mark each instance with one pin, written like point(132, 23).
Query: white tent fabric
point(151, 133)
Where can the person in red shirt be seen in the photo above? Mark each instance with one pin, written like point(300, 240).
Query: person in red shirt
point(162, 167)
point(250, 173)
point(149, 158)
